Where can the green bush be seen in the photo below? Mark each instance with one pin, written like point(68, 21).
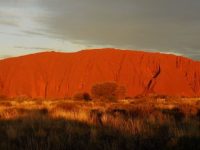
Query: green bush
point(108, 91)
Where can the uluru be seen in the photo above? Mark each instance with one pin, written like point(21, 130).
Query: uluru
point(60, 75)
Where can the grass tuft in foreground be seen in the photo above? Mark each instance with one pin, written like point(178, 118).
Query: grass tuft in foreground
point(130, 124)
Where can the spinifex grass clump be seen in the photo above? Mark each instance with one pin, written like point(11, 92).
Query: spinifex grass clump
point(137, 124)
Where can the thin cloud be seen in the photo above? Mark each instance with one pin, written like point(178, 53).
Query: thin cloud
point(33, 48)
point(171, 26)
point(144, 24)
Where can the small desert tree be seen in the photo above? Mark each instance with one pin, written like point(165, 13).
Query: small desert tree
point(82, 96)
point(107, 91)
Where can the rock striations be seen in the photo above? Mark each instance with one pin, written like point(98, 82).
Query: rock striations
point(59, 75)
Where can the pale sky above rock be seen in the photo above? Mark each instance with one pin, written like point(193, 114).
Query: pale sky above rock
point(168, 26)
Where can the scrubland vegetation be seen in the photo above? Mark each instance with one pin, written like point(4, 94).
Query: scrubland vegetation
point(142, 124)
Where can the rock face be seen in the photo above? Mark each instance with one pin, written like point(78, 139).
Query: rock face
point(59, 75)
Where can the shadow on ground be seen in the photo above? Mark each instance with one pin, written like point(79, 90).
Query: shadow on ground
point(38, 131)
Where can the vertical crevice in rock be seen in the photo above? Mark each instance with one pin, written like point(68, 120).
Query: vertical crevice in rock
point(152, 82)
point(157, 72)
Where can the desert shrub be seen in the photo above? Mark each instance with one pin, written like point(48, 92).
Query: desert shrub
point(6, 104)
point(3, 97)
point(117, 112)
point(175, 112)
point(82, 96)
point(65, 107)
point(128, 98)
point(108, 91)
point(96, 116)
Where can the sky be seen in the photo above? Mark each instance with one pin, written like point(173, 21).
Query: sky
point(167, 26)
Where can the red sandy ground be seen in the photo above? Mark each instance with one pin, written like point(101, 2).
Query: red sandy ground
point(59, 75)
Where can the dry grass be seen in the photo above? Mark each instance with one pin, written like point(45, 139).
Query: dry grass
point(145, 123)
